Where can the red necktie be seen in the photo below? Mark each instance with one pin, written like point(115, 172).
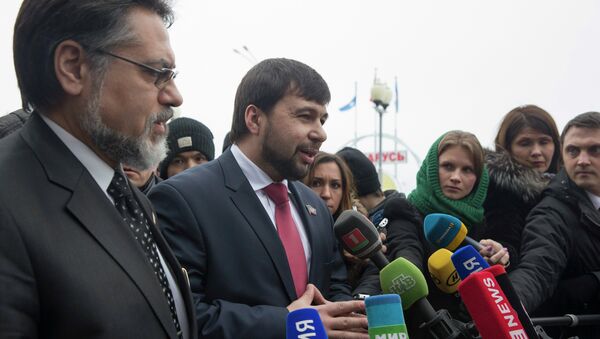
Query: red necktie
point(288, 233)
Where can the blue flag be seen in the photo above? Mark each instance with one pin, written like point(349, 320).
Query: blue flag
point(349, 105)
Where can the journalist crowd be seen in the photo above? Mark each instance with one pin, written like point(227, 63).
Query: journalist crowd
point(118, 220)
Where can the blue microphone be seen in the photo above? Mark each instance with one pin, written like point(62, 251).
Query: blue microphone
point(467, 260)
point(385, 317)
point(305, 323)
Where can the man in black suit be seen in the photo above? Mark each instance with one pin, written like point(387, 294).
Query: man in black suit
point(254, 255)
point(98, 76)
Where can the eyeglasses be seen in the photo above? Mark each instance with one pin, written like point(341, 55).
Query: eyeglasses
point(163, 75)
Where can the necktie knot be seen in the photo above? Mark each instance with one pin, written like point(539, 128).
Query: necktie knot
point(277, 192)
point(118, 186)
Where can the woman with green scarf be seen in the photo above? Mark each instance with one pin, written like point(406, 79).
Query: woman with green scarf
point(452, 180)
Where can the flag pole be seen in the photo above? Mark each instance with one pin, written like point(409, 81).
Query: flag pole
point(355, 112)
point(396, 128)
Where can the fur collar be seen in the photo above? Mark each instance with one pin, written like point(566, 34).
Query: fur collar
point(507, 175)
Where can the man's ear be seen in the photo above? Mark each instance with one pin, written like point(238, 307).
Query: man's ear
point(254, 118)
point(69, 66)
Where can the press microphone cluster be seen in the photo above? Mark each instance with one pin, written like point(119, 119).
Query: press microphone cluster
point(359, 237)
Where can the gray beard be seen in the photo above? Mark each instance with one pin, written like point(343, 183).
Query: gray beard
point(140, 152)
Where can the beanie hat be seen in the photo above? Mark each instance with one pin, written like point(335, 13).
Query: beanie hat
point(365, 175)
point(185, 135)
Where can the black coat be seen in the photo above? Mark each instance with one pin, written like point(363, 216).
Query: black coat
point(513, 191)
point(560, 252)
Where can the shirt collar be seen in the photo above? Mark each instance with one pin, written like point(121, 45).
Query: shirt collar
point(594, 199)
point(100, 170)
point(256, 176)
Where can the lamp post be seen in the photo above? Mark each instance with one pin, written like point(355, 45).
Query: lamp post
point(381, 95)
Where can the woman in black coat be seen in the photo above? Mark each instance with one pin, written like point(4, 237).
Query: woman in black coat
point(527, 156)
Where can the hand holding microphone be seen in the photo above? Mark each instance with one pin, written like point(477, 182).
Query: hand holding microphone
point(340, 319)
point(359, 237)
point(494, 253)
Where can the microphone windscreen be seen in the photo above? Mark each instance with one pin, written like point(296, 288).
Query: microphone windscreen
point(468, 260)
point(304, 323)
point(357, 234)
point(492, 314)
point(442, 271)
point(443, 230)
point(403, 278)
point(385, 316)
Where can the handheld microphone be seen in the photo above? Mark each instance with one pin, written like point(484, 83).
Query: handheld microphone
point(443, 230)
point(359, 237)
point(385, 317)
point(304, 323)
point(487, 304)
point(404, 278)
point(468, 260)
point(442, 271)
point(499, 273)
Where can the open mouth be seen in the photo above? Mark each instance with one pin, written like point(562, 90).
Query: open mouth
point(308, 154)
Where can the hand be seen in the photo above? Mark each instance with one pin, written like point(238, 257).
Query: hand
point(340, 319)
point(355, 260)
point(494, 253)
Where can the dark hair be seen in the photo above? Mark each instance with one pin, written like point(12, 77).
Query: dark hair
point(42, 25)
point(535, 118)
point(269, 81)
point(583, 120)
point(348, 191)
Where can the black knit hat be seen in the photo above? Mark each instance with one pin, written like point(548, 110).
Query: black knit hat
point(365, 175)
point(187, 134)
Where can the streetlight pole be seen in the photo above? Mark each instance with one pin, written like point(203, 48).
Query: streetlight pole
point(381, 95)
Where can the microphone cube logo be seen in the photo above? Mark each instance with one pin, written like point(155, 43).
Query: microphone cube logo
point(402, 283)
point(355, 240)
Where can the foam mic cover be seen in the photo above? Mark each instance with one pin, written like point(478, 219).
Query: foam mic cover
point(359, 237)
point(492, 314)
point(404, 278)
point(499, 273)
point(304, 323)
point(443, 230)
point(468, 260)
point(385, 317)
point(442, 271)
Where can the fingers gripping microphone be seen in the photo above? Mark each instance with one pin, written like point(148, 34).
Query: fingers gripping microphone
point(304, 323)
point(359, 237)
point(442, 271)
point(487, 304)
point(467, 260)
point(446, 231)
point(385, 317)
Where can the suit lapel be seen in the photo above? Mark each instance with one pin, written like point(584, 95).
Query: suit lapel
point(246, 201)
point(90, 206)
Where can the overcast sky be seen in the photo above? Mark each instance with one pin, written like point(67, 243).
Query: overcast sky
point(460, 64)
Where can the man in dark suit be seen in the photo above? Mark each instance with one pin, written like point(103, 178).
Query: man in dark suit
point(80, 253)
point(254, 254)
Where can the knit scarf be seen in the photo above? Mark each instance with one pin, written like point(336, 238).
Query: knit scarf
point(428, 197)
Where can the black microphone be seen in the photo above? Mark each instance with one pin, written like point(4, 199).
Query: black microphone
point(569, 320)
point(360, 237)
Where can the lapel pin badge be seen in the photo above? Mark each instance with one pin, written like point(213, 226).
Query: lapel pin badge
point(311, 210)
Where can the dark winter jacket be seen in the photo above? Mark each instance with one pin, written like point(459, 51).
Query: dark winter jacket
point(560, 252)
point(513, 191)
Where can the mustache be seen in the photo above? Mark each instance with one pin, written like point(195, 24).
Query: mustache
point(162, 116)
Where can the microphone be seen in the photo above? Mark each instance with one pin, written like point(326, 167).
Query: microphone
point(359, 237)
point(442, 271)
point(404, 278)
point(499, 273)
point(487, 304)
point(467, 260)
point(304, 323)
point(443, 230)
point(569, 320)
point(385, 317)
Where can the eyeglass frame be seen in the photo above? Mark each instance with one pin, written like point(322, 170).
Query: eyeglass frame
point(159, 73)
